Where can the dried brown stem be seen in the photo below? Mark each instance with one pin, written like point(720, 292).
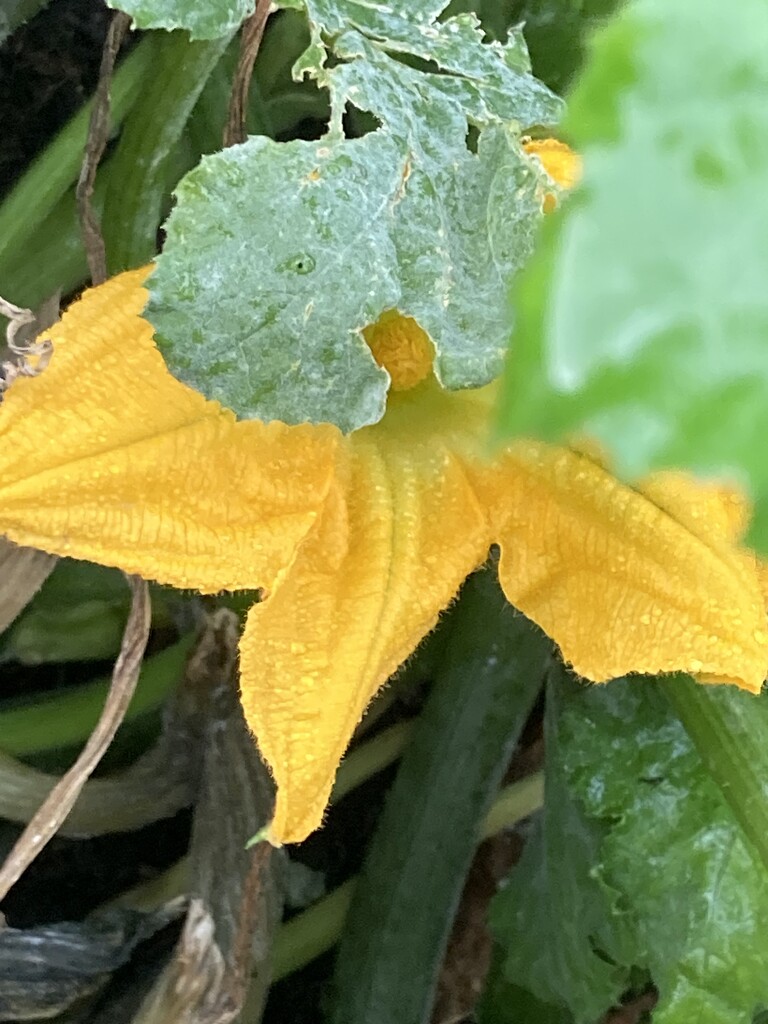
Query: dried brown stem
point(22, 572)
point(250, 41)
point(234, 905)
point(98, 135)
point(59, 803)
point(29, 356)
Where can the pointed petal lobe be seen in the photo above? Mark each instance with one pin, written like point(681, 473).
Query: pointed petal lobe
point(105, 456)
point(647, 579)
point(400, 532)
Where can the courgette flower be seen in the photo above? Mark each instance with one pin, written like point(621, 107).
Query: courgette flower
point(360, 541)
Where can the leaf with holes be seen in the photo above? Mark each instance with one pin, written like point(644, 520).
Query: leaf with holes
point(278, 254)
point(203, 19)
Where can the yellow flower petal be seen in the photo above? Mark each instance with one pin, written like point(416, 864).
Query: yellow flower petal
point(558, 160)
point(402, 348)
point(400, 532)
point(105, 456)
point(628, 580)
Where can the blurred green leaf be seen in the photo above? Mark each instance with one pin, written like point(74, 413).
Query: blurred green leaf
point(557, 33)
point(642, 317)
point(277, 255)
point(203, 19)
point(690, 895)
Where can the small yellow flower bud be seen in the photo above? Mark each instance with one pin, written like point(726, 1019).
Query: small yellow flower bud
point(402, 348)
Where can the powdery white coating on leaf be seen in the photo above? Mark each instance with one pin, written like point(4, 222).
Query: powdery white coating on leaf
point(278, 255)
point(464, 222)
point(203, 19)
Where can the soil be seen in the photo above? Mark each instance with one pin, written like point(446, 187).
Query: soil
point(47, 70)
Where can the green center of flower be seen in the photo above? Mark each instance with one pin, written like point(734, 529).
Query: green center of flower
point(402, 348)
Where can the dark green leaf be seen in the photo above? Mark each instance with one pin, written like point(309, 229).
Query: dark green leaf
point(556, 32)
point(78, 615)
point(729, 729)
point(504, 1003)
point(697, 889)
point(553, 918)
point(139, 170)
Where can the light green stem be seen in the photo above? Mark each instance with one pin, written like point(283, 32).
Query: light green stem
point(370, 758)
point(514, 803)
point(313, 932)
point(67, 718)
point(139, 172)
point(318, 928)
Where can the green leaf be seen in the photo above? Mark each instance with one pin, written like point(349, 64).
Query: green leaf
point(405, 899)
point(556, 32)
point(278, 255)
point(203, 19)
point(729, 729)
point(260, 275)
point(692, 889)
point(77, 615)
point(504, 1003)
point(642, 318)
point(553, 920)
